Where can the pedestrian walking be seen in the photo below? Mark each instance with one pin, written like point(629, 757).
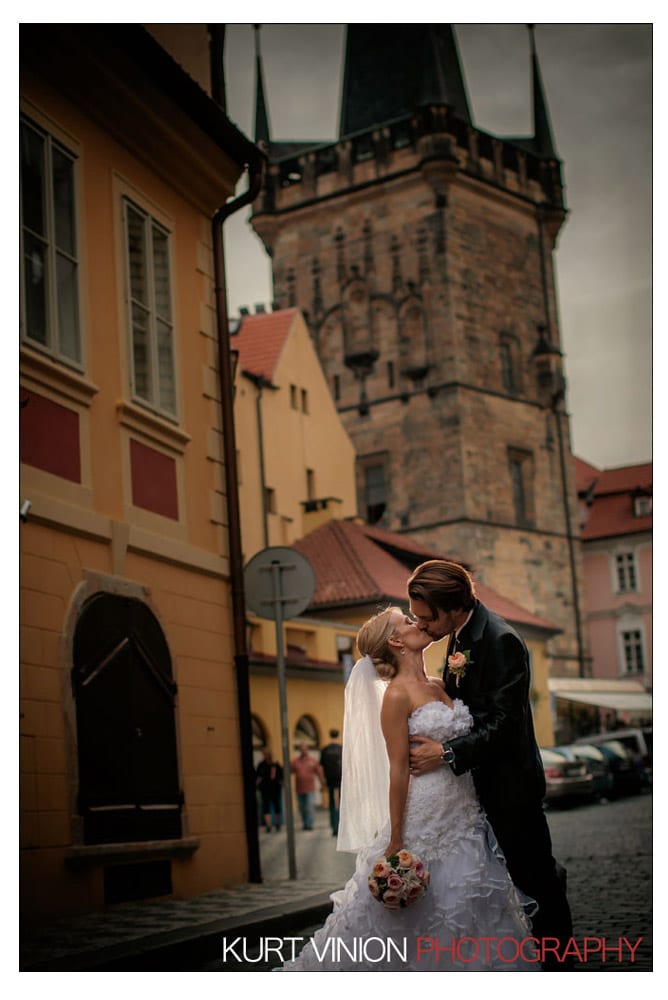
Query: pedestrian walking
point(306, 769)
point(269, 781)
point(330, 762)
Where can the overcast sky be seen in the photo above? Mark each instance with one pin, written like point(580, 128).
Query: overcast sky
point(598, 84)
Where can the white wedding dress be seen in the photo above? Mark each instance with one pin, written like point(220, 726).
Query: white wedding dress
point(470, 895)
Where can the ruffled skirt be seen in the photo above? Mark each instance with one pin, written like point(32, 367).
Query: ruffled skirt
point(470, 919)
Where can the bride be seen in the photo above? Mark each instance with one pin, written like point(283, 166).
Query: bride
point(471, 917)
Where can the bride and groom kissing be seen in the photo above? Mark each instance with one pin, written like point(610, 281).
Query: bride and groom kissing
point(449, 771)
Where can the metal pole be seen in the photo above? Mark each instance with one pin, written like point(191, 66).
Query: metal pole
point(280, 660)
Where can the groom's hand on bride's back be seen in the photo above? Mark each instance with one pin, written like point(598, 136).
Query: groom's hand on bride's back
point(425, 755)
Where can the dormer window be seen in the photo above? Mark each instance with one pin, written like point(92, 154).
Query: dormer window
point(642, 506)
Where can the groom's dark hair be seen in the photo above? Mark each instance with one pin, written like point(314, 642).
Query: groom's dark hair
point(442, 584)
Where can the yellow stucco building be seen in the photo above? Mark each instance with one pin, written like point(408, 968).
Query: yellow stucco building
point(296, 460)
point(132, 769)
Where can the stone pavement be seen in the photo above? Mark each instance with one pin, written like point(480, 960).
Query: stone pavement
point(607, 849)
point(172, 934)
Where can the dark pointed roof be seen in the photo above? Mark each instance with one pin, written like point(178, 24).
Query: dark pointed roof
point(391, 70)
point(261, 130)
point(543, 143)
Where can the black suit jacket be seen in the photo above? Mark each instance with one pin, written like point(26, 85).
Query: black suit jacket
point(501, 749)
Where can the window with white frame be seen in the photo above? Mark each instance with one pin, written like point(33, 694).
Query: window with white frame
point(147, 250)
point(632, 651)
point(626, 578)
point(642, 506)
point(50, 314)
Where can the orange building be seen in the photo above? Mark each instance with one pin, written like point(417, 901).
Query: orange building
point(135, 781)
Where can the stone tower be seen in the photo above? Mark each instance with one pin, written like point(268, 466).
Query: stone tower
point(420, 249)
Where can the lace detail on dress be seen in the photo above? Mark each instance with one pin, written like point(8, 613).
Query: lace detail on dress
point(442, 808)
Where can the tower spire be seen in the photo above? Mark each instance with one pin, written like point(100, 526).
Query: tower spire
point(542, 130)
point(261, 128)
point(390, 70)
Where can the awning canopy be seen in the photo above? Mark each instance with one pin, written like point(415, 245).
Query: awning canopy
point(629, 702)
point(619, 695)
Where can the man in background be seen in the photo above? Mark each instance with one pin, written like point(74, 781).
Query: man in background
point(330, 763)
point(306, 769)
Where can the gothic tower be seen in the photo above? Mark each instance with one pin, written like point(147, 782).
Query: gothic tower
point(420, 248)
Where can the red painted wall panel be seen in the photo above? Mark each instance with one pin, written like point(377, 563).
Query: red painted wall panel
point(49, 437)
point(153, 480)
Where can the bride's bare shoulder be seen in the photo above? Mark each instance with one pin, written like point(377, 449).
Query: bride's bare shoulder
point(396, 696)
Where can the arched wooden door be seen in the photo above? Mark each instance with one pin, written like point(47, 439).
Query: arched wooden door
point(124, 693)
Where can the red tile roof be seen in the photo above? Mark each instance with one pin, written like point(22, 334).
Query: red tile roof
point(613, 515)
point(612, 491)
point(629, 477)
point(585, 475)
point(352, 566)
point(260, 340)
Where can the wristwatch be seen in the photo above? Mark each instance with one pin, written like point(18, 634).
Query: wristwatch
point(448, 755)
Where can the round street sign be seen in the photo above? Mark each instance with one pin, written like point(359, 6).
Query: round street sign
point(279, 575)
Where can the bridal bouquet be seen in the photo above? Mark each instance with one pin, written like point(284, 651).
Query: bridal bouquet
point(398, 880)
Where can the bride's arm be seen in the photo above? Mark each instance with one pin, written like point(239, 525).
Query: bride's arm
point(394, 723)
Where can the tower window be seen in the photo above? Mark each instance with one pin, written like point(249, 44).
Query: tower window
point(520, 464)
point(510, 366)
point(374, 499)
point(390, 374)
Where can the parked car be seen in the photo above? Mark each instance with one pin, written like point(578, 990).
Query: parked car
point(638, 742)
point(597, 764)
point(567, 780)
point(626, 777)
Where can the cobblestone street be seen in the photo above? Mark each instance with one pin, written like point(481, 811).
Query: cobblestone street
point(607, 851)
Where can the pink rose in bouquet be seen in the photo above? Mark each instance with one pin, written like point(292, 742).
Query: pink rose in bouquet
point(381, 869)
point(398, 880)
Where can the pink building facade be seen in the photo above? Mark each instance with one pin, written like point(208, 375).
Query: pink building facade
point(615, 507)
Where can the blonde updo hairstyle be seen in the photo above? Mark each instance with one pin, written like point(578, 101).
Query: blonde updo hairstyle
point(372, 641)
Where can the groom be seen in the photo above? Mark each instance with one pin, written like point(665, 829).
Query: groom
point(489, 672)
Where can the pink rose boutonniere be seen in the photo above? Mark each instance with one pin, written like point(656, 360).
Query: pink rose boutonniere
point(457, 664)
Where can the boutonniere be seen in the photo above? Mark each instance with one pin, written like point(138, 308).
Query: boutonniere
point(457, 664)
